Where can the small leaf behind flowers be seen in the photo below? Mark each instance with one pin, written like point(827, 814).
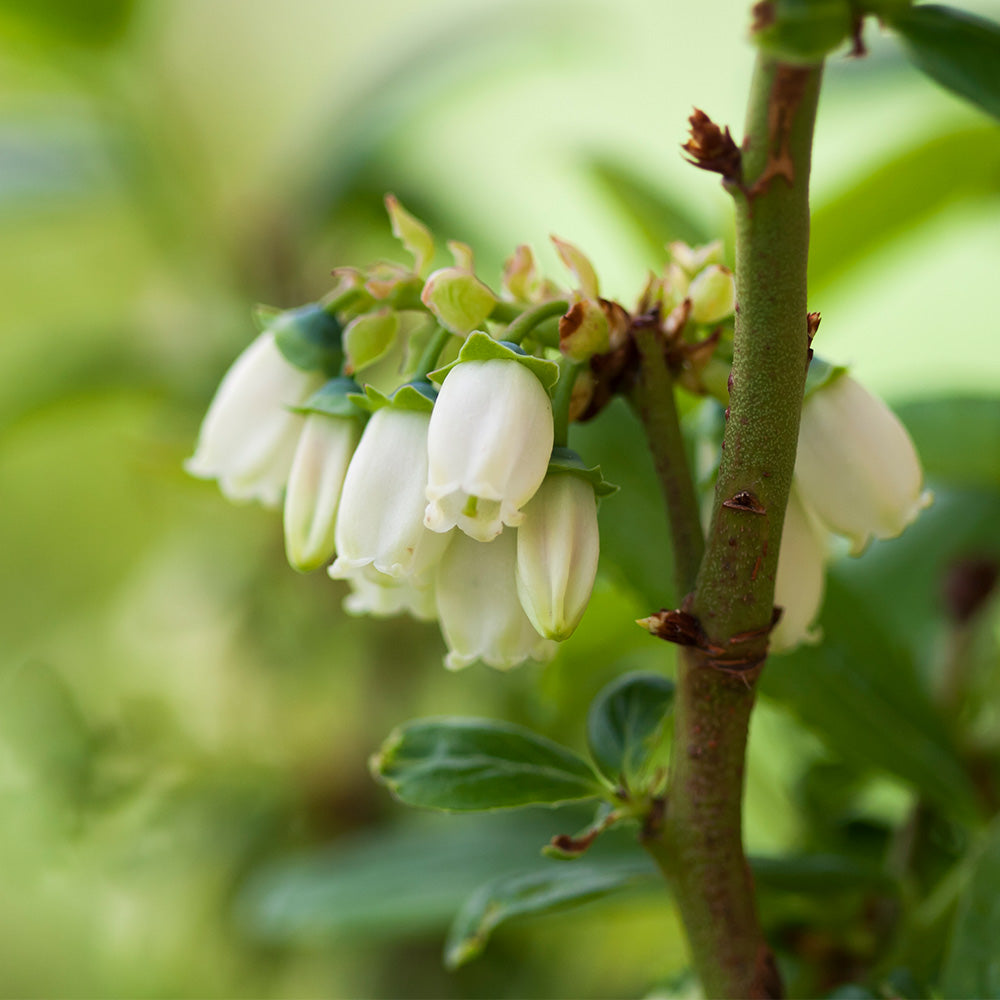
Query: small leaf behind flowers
point(623, 720)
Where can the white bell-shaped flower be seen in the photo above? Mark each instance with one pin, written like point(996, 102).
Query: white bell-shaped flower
point(557, 549)
point(374, 593)
point(481, 616)
point(324, 451)
point(248, 437)
point(856, 466)
point(381, 517)
point(489, 445)
point(799, 582)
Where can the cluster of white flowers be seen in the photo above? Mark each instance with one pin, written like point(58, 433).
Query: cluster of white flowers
point(857, 476)
point(449, 505)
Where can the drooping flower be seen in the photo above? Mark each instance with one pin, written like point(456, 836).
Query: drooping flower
point(800, 578)
point(557, 550)
point(856, 466)
point(480, 613)
point(248, 437)
point(373, 593)
point(324, 451)
point(489, 444)
point(380, 521)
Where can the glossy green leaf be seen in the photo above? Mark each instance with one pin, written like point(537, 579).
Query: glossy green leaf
point(556, 887)
point(958, 50)
point(473, 764)
point(859, 690)
point(892, 199)
point(972, 965)
point(623, 721)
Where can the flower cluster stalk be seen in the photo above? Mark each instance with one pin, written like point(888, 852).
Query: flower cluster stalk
point(698, 840)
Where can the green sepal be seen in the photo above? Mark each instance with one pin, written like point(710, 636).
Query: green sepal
point(821, 374)
point(309, 338)
point(565, 460)
point(418, 396)
point(481, 346)
point(264, 316)
point(802, 31)
point(335, 399)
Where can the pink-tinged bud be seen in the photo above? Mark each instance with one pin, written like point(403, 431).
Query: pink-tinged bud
point(489, 444)
point(459, 300)
point(713, 294)
point(856, 466)
point(412, 233)
point(481, 616)
point(584, 331)
point(557, 549)
point(520, 276)
point(579, 264)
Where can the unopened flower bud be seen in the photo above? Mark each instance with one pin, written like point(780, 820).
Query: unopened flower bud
point(856, 466)
point(369, 337)
point(692, 259)
point(248, 437)
point(459, 300)
point(314, 486)
point(713, 294)
point(557, 549)
point(520, 276)
point(584, 331)
point(481, 615)
point(489, 445)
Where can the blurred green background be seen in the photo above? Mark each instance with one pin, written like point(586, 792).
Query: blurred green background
point(185, 807)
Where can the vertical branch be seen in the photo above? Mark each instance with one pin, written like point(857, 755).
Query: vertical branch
point(698, 841)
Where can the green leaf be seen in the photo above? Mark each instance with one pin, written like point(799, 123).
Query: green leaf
point(623, 721)
point(958, 439)
point(473, 764)
point(411, 878)
point(368, 337)
point(310, 338)
point(891, 200)
point(418, 396)
point(860, 691)
point(557, 887)
point(972, 965)
point(958, 50)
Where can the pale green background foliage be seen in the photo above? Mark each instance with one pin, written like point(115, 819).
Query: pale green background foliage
point(179, 711)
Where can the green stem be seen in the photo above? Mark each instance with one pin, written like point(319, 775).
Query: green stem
point(530, 318)
point(561, 399)
point(698, 843)
point(430, 354)
point(654, 402)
